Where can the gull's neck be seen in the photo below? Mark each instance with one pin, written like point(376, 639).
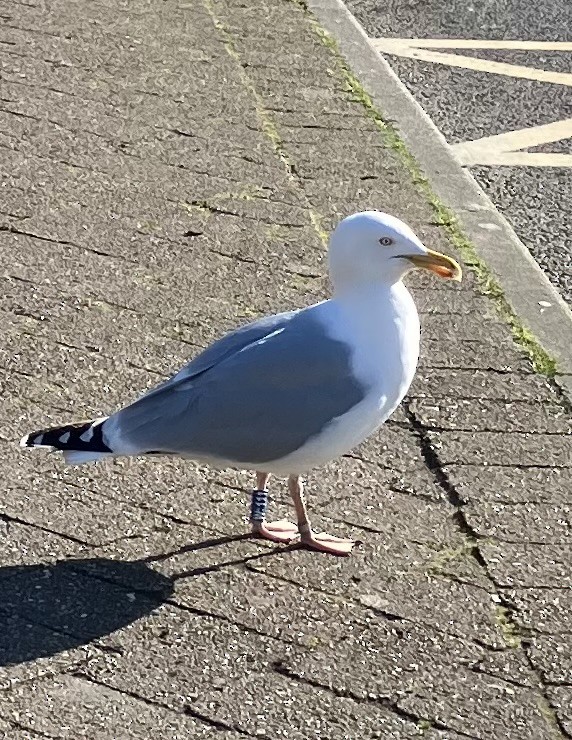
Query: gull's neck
point(369, 296)
point(381, 322)
point(380, 314)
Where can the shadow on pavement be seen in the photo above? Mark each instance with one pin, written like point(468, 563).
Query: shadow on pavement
point(45, 609)
point(48, 608)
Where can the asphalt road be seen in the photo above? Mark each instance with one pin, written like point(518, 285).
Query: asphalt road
point(468, 104)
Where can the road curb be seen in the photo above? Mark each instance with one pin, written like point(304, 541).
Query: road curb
point(529, 292)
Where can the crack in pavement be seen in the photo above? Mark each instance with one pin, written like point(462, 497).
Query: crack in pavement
point(515, 466)
point(18, 725)
point(63, 242)
point(385, 702)
point(187, 709)
point(506, 622)
point(477, 668)
point(14, 215)
point(204, 205)
point(489, 430)
point(227, 620)
point(8, 519)
point(235, 257)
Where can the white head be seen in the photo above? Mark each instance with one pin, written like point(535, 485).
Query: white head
point(374, 247)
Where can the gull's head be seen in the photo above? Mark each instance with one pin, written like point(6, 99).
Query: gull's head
point(373, 247)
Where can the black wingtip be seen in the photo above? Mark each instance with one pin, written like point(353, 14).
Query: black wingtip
point(83, 437)
point(35, 439)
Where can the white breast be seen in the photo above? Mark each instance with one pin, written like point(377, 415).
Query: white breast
point(383, 331)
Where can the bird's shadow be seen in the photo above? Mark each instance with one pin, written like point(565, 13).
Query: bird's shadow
point(46, 609)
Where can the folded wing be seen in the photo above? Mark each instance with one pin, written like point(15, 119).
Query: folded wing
point(255, 396)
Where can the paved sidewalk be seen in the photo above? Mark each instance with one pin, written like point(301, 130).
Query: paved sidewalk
point(168, 169)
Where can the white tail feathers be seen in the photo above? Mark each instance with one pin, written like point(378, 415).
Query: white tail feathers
point(74, 457)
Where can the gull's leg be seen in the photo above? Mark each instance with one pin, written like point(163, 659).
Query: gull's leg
point(322, 541)
point(281, 531)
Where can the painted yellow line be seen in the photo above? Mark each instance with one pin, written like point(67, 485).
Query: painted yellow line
point(504, 149)
point(484, 44)
point(514, 159)
point(405, 48)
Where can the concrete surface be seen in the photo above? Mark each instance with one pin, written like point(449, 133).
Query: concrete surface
point(165, 168)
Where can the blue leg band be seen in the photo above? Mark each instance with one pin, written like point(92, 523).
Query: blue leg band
point(258, 506)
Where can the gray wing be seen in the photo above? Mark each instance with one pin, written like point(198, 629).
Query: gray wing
point(224, 347)
point(251, 401)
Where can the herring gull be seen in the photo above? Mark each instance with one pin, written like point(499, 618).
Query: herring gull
point(289, 392)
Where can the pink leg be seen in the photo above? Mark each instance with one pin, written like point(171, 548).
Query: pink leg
point(322, 541)
point(280, 531)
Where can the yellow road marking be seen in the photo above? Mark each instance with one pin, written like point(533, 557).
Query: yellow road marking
point(419, 49)
point(484, 44)
point(506, 148)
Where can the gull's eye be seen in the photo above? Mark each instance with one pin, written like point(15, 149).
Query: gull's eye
point(386, 241)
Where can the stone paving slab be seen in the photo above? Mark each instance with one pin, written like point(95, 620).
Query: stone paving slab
point(503, 448)
point(544, 609)
point(169, 170)
point(531, 522)
point(105, 713)
point(561, 698)
point(509, 486)
point(251, 696)
point(482, 384)
point(464, 415)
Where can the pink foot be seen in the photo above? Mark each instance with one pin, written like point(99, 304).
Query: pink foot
point(327, 543)
point(281, 531)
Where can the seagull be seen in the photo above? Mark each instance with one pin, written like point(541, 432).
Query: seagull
point(289, 392)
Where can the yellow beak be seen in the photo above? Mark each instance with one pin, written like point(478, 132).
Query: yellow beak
point(440, 264)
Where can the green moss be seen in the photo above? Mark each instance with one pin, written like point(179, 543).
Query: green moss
point(447, 555)
point(276, 232)
point(316, 220)
point(507, 627)
point(246, 192)
point(196, 205)
point(549, 715)
point(266, 123)
point(542, 362)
